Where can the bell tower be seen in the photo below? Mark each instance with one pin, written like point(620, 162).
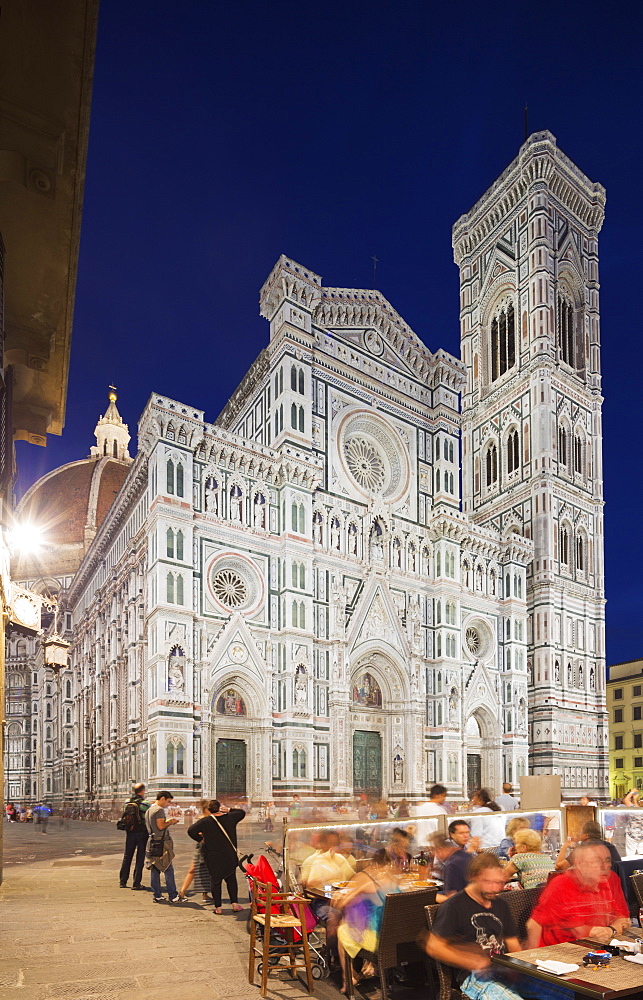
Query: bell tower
point(531, 418)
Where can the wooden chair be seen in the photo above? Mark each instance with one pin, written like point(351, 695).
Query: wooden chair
point(401, 923)
point(448, 989)
point(290, 918)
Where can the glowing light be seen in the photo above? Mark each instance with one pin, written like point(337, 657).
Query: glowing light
point(27, 538)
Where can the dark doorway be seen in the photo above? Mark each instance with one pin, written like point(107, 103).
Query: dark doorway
point(474, 772)
point(367, 763)
point(231, 767)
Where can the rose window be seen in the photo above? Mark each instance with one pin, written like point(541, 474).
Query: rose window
point(365, 464)
point(473, 640)
point(230, 588)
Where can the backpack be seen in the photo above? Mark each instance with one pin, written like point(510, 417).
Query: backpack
point(131, 819)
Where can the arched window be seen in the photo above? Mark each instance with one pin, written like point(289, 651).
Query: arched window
point(578, 453)
point(492, 465)
point(170, 477)
point(175, 754)
point(68, 689)
point(564, 546)
point(566, 331)
point(68, 741)
point(170, 588)
point(179, 480)
point(302, 615)
point(438, 563)
point(68, 716)
point(295, 575)
point(295, 763)
point(438, 612)
point(562, 446)
point(169, 546)
point(179, 589)
point(179, 545)
point(503, 342)
point(513, 456)
point(580, 554)
point(302, 576)
point(48, 711)
point(295, 614)
point(170, 432)
point(301, 381)
point(293, 417)
point(293, 378)
point(301, 419)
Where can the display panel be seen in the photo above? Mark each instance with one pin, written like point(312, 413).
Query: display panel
point(624, 829)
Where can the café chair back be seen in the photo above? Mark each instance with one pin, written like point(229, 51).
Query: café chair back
point(401, 922)
point(521, 902)
point(448, 989)
point(282, 918)
point(636, 881)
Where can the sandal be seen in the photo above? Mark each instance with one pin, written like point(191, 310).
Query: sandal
point(218, 910)
point(237, 907)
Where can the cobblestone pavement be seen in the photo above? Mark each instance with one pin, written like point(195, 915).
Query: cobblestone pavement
point(68, 932)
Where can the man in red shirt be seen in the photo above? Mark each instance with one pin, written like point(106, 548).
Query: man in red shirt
point(585, 902)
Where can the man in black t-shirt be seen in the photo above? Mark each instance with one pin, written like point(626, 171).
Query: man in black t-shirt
point(475, 924)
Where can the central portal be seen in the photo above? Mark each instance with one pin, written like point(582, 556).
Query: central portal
point(231, 767)
point(367, 764)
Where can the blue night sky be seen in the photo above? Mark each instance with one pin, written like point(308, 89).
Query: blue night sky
point(223, 135)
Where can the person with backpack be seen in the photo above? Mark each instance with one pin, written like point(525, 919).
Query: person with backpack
point(133, 823)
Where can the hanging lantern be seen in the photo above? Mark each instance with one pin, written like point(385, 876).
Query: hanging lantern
point(56, 651)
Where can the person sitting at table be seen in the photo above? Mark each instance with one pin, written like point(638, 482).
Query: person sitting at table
point(589, 831)
point(490, 829)
point(533, 867)
point(475, 924)
point(507, 847)
point(360, 908)
point(455, 855)
point(396, 853)
point(585, 902)
point(327, 865)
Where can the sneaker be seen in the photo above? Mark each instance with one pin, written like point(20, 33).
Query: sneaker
point(157, 899)
point(134, 887)
point(177, 899)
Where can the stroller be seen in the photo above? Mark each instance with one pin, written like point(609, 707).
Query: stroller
point(316, 938)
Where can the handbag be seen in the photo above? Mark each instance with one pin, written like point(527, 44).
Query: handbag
point(241, 858)
point(156, 848)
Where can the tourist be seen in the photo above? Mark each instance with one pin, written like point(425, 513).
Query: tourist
point(198, 871)
point(396, 852)
point(586, 801)
point(294, 809)
point(585, 902)
point(505, 800)
point(434, 805)
point(158, 824)
point(455, 866)
point(529, 862)
point(133, 820)
point(12, 813)
point(217, 829)
point(270, 815)
point(507, 846)
point(361, 908)
point(490, 830)
point(590, 831)
point(475, 924)
point(402, 811)
point(328, 865)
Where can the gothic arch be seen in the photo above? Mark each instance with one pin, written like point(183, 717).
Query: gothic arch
point(387, 667)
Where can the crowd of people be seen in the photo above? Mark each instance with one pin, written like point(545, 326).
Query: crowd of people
point(476, 860)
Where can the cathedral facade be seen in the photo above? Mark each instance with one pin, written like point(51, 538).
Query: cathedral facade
point(298, 598)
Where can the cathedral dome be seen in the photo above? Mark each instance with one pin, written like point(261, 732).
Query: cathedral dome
point(70, 503)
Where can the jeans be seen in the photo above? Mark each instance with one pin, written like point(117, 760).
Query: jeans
point(135, 843)
point(499, 984)
point(170, 884)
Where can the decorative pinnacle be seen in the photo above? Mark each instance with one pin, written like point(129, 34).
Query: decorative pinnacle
point(112, 394)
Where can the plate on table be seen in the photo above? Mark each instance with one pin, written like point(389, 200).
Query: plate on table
point(340, 885)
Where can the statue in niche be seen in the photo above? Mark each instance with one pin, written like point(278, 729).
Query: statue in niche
point(317, 528)
point(260, 511)
point(557, 672)
point(300, 685)
point(352, 539)
point(176, 668)
point(398, 770)
point(236, 503)
point(334, 534)
point(377, 548)
point(211, 496)
point(453, 706)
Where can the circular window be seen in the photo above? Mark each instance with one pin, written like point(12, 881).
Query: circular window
point(230, 588)
point(373, 455)
point(235, 583)
point(478, 640)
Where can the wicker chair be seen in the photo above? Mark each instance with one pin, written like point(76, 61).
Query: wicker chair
point(402, 921)
point(521, 902)
point(636, 881)
point(448, 989)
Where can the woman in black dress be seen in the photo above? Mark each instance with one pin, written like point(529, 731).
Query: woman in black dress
point(219, 853)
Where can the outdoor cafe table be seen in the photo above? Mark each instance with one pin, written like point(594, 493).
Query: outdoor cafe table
point(622, 979)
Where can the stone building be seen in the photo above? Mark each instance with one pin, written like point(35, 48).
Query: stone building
point(296, 597)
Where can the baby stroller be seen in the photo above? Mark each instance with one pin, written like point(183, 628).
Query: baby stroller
point(263, 872)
